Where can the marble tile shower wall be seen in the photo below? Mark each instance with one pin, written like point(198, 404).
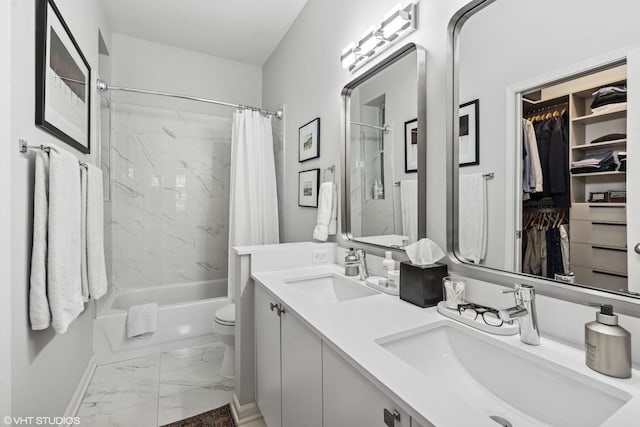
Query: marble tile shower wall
point(170, 196)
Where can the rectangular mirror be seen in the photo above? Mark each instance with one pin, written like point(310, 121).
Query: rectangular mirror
point(385, 152)
point(551, 195)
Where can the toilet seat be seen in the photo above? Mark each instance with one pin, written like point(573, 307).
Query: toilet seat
point(226, 315)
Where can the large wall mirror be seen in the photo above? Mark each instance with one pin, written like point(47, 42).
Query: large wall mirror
point(385, 152)
point(551, 195)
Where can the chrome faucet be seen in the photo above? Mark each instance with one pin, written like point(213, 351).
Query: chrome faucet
point(524, 312)
point(362, 264)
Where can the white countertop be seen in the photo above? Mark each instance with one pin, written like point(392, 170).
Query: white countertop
point(351, 328)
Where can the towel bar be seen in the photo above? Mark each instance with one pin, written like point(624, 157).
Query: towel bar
point(24, 147)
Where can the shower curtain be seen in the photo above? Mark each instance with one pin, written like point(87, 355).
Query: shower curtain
point(253, 210)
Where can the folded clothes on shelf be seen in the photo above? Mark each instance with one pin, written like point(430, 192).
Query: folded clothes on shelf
point(601, 161)
point(609, 137)
point(609, 95)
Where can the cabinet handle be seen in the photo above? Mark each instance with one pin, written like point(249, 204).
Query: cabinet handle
point(281, 310)
point(615, 224)
point(273, 306)
point(390, 418)
point(609, 274)
point(637, 248)
point(607, 207)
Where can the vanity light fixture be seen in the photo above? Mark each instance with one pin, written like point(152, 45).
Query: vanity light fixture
point(396, 24)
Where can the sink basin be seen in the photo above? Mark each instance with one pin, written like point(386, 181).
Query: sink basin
point(504, 382)
point(330, 288)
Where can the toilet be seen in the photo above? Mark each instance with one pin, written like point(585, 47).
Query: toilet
point(224, 327)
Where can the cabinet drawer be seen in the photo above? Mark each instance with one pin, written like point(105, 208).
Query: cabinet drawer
point(594, 212)
point(598, 258)
point(600, 279)
point(598, 233)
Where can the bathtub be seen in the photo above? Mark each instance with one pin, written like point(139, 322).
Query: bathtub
point(185, 319)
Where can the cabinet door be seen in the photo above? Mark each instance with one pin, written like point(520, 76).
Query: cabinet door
point(349, 399)
point(301, 374)
point(267, 333)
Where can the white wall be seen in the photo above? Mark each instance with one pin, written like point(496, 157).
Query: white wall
point(305, 73)
point(5, 213)
point(46, 368)
point(526, 56)
point(146, 65)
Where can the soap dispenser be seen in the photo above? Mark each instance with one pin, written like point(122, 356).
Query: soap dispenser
point(351, 263)
point(388, 264)
point(608, 345)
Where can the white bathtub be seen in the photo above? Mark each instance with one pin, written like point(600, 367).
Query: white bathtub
point(185, 319)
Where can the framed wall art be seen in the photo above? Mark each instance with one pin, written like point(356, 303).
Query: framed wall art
point(309, 141)
point(308, 183)
point(411, 146)
point(469, 137)
point(63, 79)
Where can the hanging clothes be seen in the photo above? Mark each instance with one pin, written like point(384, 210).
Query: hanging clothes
point(552, 136)
point(564, 245)
point(532, 178)
point(546, 243)
point(554, 253)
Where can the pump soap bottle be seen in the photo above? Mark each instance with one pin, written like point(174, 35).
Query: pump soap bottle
point(608, 345)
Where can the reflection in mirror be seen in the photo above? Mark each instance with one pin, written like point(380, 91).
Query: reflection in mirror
point(381, 148)
point(561, 205)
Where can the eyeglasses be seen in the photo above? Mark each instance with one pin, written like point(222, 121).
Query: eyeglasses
point(489, 315)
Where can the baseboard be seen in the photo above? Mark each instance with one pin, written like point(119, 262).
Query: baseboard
point(76, 399)
point(244, 414)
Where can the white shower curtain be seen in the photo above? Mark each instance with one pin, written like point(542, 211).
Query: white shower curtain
point(253, 210)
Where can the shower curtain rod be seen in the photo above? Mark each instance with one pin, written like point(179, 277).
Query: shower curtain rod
point(104, 87)
point(384, 128)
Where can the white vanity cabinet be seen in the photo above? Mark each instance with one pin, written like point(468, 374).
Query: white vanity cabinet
point(302, 382)
point(350, 400)
point(288, 366)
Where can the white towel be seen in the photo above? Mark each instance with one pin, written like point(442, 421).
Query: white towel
point(39, 313)
point(409, 208)
point(472, 217)
point(96, 267)
point(327, 202)
point(83, 234)
point(142, 319)
point(64, 283)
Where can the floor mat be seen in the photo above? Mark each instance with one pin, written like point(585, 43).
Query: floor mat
point(220, 417)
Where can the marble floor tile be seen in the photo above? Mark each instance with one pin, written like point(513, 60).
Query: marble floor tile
point(189, 403)
point(156, 390)
point(141, 415)
point(190, 383)
point(122, 394)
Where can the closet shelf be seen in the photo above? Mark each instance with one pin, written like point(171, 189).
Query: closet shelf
point(619, 113)
point(585, 175)
point(600, 205)
point(617, 142)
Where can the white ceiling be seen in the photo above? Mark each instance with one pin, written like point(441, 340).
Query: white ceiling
point(242, 30)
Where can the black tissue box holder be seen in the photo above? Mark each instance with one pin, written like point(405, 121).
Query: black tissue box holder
point(422, 284)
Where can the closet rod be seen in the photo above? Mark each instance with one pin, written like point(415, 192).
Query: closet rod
point(547, 108)
point(104, 87)
point(24, 147)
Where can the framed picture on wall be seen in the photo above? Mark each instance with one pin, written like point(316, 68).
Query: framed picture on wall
point(309, 141)
point(308, 183)
point(411, 146)
point(469, 136)
point(63, 80)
